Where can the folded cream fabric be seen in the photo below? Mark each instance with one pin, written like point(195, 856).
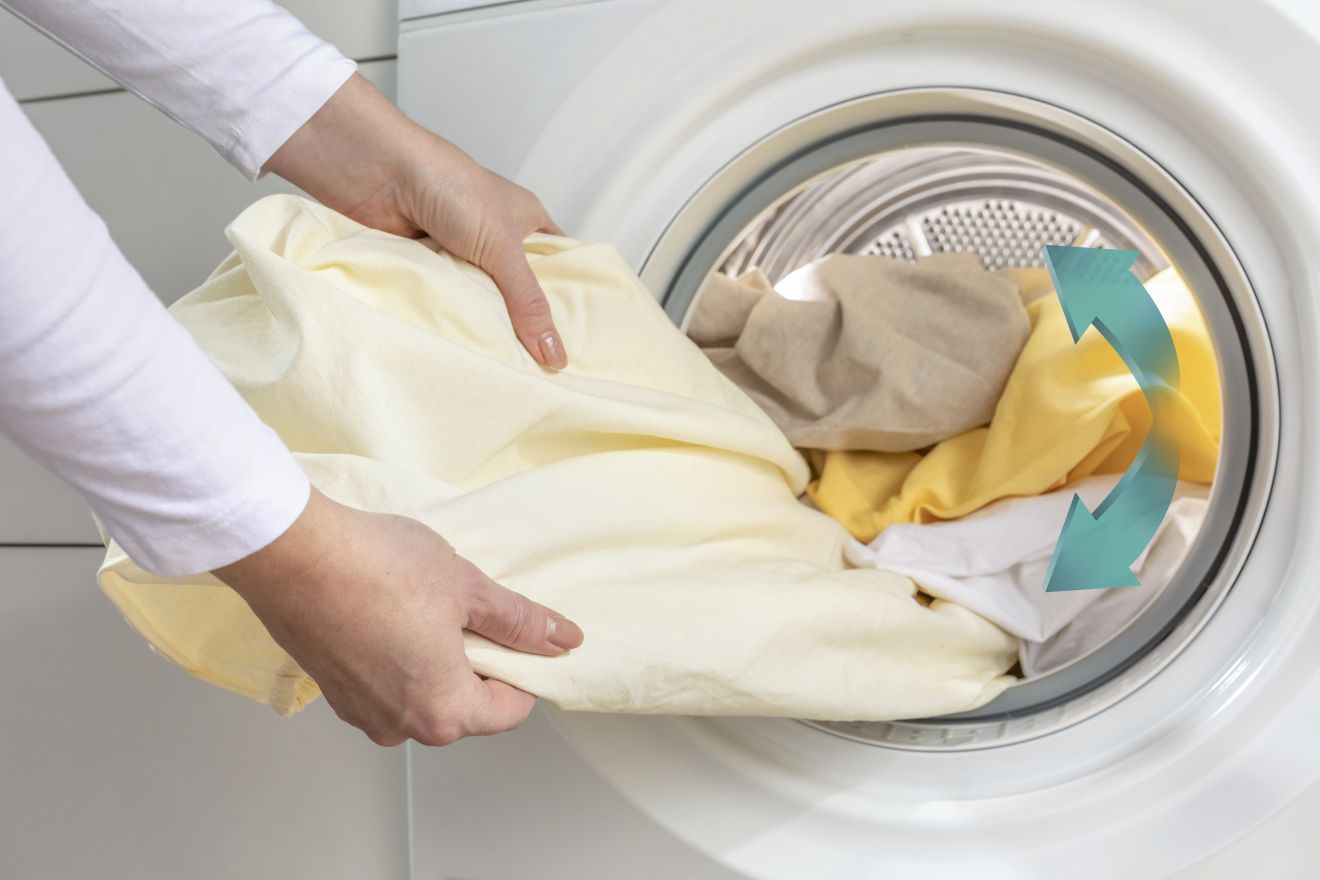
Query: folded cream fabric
point(639, 491)
point(867, 352)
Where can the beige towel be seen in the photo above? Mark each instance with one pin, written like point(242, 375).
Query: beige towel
point(639, 492)
point(872, 353)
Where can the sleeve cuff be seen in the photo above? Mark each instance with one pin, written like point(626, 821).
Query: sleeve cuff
point(260, 511)
point(311, 81)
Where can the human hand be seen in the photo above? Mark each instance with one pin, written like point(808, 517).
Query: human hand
point(362, 157)
point(373, 608)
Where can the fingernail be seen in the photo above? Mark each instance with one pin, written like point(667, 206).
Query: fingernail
point(552, 350)
point(562, 633)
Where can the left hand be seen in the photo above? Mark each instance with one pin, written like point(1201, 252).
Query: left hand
point(373, 607)
point(359, 155)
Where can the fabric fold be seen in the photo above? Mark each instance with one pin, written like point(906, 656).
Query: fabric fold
point(1068, 411)
point(994, 562)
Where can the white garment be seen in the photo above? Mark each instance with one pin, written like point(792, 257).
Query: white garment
point(97, 382)
point(244, 74)
point(994, 562)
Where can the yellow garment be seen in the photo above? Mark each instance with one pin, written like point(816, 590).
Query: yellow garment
point(639, 492)
point(1068, 411)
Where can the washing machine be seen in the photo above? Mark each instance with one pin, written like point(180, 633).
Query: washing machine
point(718, 136)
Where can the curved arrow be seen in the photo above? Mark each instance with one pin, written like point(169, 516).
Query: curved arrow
point(1096, 549)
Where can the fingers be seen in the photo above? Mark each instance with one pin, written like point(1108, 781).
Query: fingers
point(528, 308)
point(515, 621)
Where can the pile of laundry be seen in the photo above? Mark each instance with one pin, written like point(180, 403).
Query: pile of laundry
point(949, 418)
point(657, 502)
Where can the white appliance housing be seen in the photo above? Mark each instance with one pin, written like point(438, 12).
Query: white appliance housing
point(662, 125)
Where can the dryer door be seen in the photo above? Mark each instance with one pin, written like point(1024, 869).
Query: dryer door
point(720, 136)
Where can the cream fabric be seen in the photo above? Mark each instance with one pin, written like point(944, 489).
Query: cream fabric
point(866, 352)
point(639, 492)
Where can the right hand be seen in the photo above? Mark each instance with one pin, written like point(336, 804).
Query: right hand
point(359, 155)
point(373, 608)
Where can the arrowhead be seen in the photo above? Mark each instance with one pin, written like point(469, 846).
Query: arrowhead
point(1084, 280)
point(1085, 558)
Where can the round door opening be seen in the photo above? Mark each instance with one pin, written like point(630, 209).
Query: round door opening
point(974, 191)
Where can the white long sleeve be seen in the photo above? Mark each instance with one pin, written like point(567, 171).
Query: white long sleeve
point(243, 74)
point(103, 387)
point(97, 382)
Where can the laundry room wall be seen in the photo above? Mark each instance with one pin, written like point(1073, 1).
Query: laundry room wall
point(112, 762)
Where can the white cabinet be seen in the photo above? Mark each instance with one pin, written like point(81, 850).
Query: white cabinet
point(33, 66)
point(419, 8)
point(164, 193)
point(167, 197)
point(117, 765)
point(36, 508)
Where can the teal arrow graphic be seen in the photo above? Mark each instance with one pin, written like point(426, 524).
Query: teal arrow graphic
point(1096, 549)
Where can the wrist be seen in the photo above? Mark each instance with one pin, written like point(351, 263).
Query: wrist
point(353, 155)
point(293, 558)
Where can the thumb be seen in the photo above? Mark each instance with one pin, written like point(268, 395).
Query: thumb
point(494, 707)
point(512, 619)
point(528, 308)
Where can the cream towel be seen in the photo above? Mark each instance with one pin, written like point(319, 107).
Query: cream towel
point(638, 492)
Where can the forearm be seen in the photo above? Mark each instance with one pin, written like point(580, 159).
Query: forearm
point(244, 74)
point(105, 389)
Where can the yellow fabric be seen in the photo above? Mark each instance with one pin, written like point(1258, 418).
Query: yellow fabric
point(1068, 411)
point(639, 492)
